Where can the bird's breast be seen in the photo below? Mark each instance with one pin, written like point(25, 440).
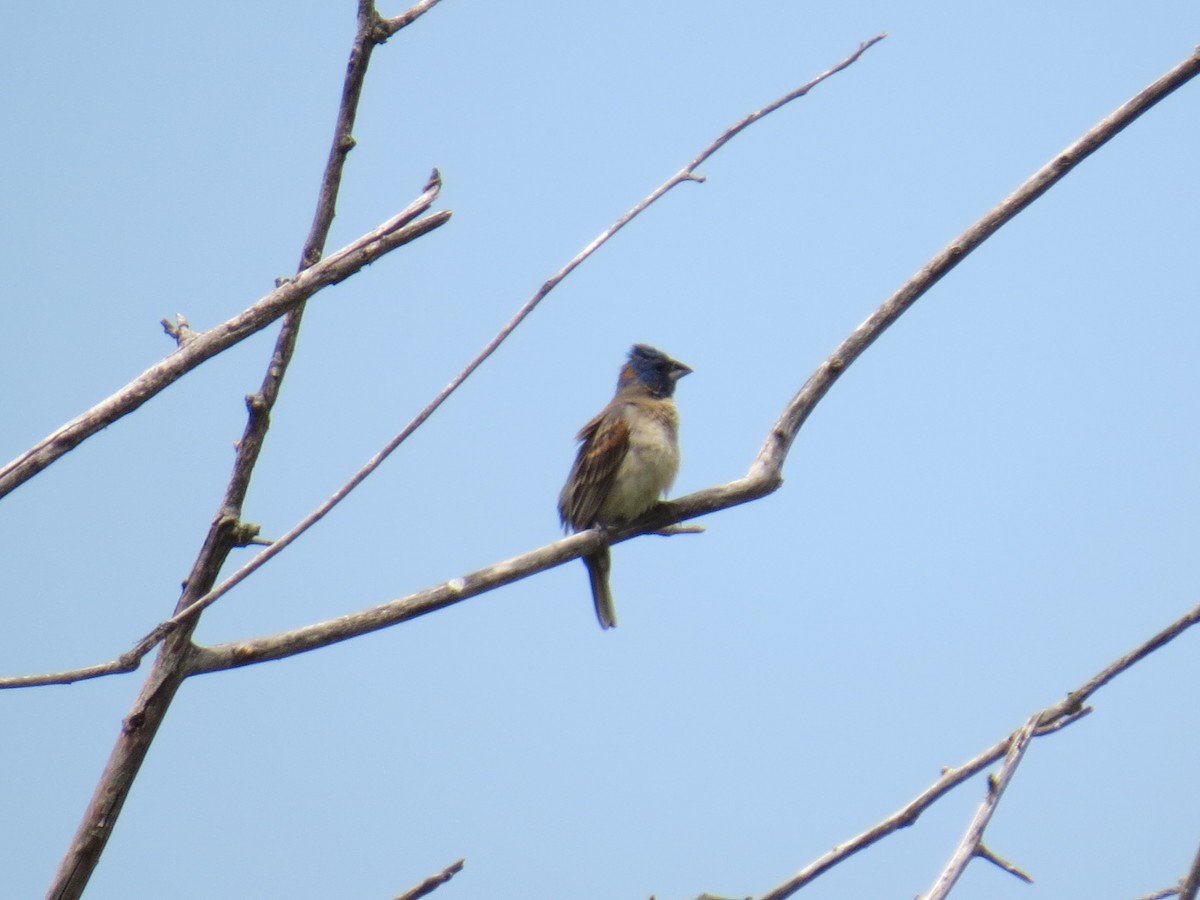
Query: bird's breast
point(650, 463)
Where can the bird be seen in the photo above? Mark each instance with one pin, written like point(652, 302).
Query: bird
point(628, 458)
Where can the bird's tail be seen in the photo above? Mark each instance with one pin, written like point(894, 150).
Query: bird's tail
point(598, 565)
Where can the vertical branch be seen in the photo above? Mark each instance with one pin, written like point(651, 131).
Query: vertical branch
point(343, 133)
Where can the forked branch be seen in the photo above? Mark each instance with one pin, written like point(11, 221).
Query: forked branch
point(1049, 720)
point(972, 842)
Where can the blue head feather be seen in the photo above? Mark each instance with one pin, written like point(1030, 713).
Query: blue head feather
point(655, 369)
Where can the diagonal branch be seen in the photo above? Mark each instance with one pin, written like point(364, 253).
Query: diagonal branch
point(972, 841)
point(456, 590)
point(770, 459)
point(1190, 889)
point(1049, 720)
point(373, 30)
point(202, 346)
point(984, 853)
point(1187, 889)
point(391, 26)
point(433, 882)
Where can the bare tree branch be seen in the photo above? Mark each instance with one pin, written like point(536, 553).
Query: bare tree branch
point(433, 882)
point(1191, 884)
point(407, 18)
point(984, 853)
point(123, 664)
point(204, 345)
point(456, 590)
point(172, 665)
point(1188, 888)
point(1075, 700)
point(906, 815)
point(771, 457)
point(372, 30)
point(1049, 720)
point(972, 841)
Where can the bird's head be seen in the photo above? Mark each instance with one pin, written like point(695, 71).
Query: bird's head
point(652, 369)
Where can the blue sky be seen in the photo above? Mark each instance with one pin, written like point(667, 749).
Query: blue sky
point(997, 500)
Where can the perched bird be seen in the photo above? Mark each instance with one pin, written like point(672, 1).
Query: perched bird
point(628, 457)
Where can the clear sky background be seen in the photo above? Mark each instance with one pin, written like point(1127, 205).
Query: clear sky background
point(997, 500)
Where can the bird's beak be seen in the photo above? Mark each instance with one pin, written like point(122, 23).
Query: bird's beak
point(678, 370)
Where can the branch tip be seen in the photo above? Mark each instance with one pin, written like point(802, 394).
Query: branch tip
point(433, 882)
point(984, 853)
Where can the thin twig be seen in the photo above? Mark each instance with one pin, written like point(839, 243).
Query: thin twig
point(408, 17)
point(1075, 700)
point(120, 666)
point(433, 882)
point(984, 853)
point(970, 845)
point(753, 117)
point(1160, 895)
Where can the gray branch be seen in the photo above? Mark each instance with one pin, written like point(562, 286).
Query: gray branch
point(972, 842)
point(433, 882)
point(1051, 719)
point(200, 347)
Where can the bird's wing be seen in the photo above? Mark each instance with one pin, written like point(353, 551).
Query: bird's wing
point(605, 443)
